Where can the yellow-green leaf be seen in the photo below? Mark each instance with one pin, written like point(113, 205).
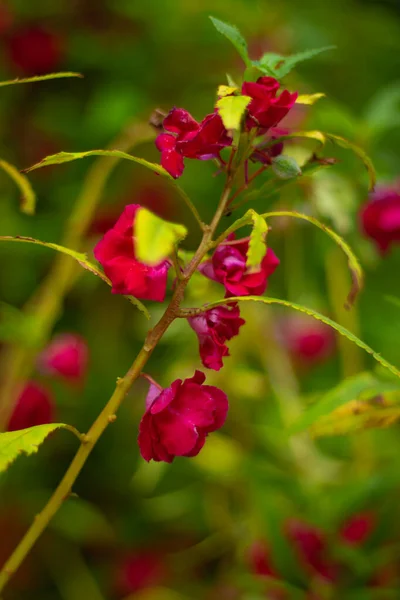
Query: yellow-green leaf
point(232, 109)
point(80, 257)
point(309, 98)
point(226, 90)
point(28, 198)
point(41, 78)
point(257, 246)
point(26, 441)
point(155, 238)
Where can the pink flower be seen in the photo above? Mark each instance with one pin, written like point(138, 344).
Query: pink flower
point(311, 545)
point(260, 560)
point(65, 356)
point(116, 253)
point(35, 406)
point(228, 266)
point(190, 139)
point(308, 341)
point(380, 217)
point(179, 418)
point(214, 328)
point(140, 570)
point(357, 528)
point(34, 50)
point(266, 109)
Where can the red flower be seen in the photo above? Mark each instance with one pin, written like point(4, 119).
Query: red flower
point(260, 560)
point(116, 253)
point(140, 570)
point(179, 418)
point(65, 356)
point(34, 50)
point(214, 328)
point(311, 545)
point(356, 530)
point(35, 406)
point(228, 266)
point(308, 341)
point(266, 109)
point(190, 139)
point(380, 217)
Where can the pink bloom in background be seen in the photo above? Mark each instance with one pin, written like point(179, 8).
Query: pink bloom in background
point(308, 341)
point(140, 570)
point(35, 406)
point(380, 217)
point(312, 548)
point(228, 266)
point(189, 139)
point(260, 560)
point(34, 51)
point(116, 253)
point(214, 328)
point(266, 109)
point(357, 528)
point(66, 356)
point(179, 418)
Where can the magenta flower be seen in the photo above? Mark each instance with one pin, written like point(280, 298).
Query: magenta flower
point(34, 50)
point(380, 217)
point(312, 547)
point(35, 406)
point(179, 418)
point(116, 253)
point(190, 139)
point(266, 109)
point(66, 356)
point(214, 328)
point(357, 528)
point(309, 342)
point(228, 266)
point(140, 570)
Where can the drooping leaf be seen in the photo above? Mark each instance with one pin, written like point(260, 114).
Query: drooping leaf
point(309, 98)
point(232, 109)
point(28, 198)
point(80, 257)
point(257, 245)
point(285, 167)
point(316, 315)
point(41, 78)
point(155, 238)
point(347, 391)
point(234, 36)
point(26, 441)
point(279, 66)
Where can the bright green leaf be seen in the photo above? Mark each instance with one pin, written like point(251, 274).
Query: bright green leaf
point(234, 36)
point(232, 109)
point(312, 313)
point(26, 441)
point(41, 78)
point(155, 238)
point(28, 199)
point(285, 167)
point(279, 66)
point(257, 246)
point(79, 257)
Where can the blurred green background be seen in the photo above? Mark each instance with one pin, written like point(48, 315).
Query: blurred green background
point(194, 521)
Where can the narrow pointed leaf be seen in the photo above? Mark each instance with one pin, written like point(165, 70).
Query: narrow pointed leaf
point(234, 36)
point(26, 441)
point(41, 78)
point(279, 66)
point(28, 198)
point(309, 98)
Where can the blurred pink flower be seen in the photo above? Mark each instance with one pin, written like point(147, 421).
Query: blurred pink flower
point(357, 528)
point(308, 341)
point(33, 50)
point(380, 217)
point(35, 406)
point(66, 356)
point(179, 418)
point(116, 253)
point(139, 570)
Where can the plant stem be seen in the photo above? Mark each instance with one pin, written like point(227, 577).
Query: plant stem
point(45, 305)
point(107, 415)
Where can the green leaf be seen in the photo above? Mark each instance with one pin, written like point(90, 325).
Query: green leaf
point(312, 313)
point(17, 327)
point(155, 238)
point(79, 257)
point(232, 109)
point(348, 390)
point(285, 167)
point(64, 157)
point(26, 441)
point(234, 36)
point(356, 416)
point(257, 245)
point(41, 78)
point(279, 66)
point(28, 199)
point(393, 300)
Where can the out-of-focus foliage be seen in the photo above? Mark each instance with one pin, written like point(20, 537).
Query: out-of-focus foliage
point(187, 530)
